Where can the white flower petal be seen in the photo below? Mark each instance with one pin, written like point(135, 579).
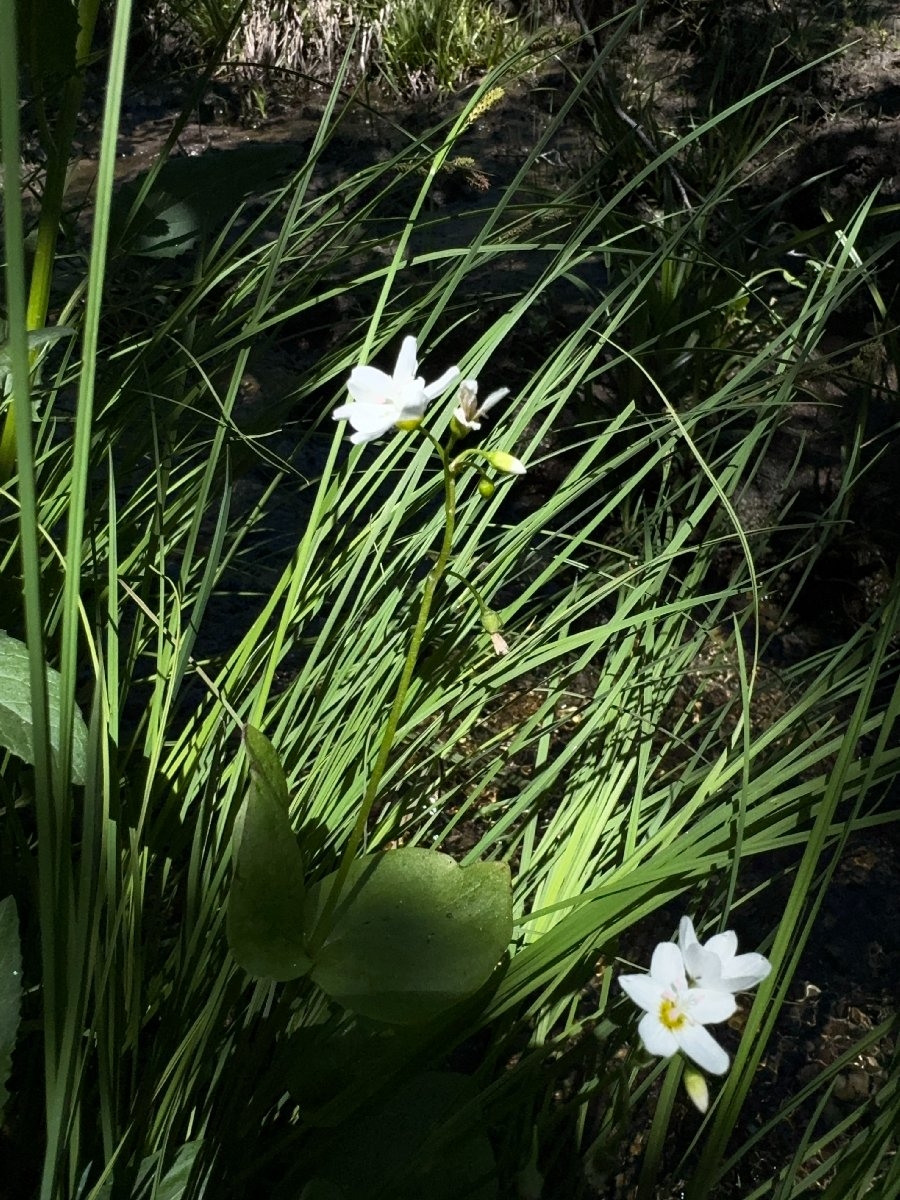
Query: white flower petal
point(370, 385)
point(491, 400)
point(466, 422)
point(716, 963)
point(369, 420)
point(723, 945)
point(686, 935)
point(644, 991)
point(702, 966)
point(367, 435)
point(440, 385)
point(407, 363)
point(745, 971)
point(700, 1045)
point(667, 967)
point(656, 1038)
point(709, 1006)
point(409, 398)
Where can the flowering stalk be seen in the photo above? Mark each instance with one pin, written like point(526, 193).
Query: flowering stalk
point(381, 402)
point(387, 740)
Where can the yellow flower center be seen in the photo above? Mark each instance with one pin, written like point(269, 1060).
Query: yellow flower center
point(671, 1015)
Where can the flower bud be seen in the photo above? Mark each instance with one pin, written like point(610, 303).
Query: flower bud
point(696, 1087)
point(501, 461)
point(486, 488)
point(491, 620)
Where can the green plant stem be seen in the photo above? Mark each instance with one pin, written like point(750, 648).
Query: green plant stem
point(390, 730)
point(51, 210)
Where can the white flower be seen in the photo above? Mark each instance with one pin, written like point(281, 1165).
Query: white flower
point(716, 965)
point(468, 410)
point(379, 402)
point(675, 1015)
point(500, 644)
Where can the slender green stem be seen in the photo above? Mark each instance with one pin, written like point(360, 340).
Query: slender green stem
point(390, 730)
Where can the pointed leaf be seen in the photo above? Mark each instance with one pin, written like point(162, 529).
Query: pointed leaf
point(174, 1183)
point(413, 933)
point(16, 720)
point(10, 988)
point(265, 906)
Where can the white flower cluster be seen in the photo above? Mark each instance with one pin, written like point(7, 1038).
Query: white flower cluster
point(380, 402)
point(690, 986)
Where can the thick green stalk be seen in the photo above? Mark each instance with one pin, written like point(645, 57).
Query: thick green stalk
point(387, 739)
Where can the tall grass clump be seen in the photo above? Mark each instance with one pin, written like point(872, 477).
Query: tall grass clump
point(410, 46)
point(335, 781)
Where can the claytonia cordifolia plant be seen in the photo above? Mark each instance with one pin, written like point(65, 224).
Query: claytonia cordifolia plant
point(380, 402)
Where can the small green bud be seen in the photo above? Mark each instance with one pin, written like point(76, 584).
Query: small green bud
point(491, 620)
point(501, 461)
point(486, 488)
point(696, 1087)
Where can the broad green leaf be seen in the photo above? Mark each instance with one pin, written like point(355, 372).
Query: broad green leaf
point(265, 906)
point(16, 719)
point(194, 196)
point(10, 988)
point(173, 1184)
point(170, 1187)
point(412, 934)
point(399, 1150)
point(37, 340)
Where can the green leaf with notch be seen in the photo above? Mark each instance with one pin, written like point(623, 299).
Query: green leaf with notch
point(412, 934)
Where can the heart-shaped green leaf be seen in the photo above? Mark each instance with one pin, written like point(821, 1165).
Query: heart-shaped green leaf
point(412, 933)
point(265, 905)
point(16, 719)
